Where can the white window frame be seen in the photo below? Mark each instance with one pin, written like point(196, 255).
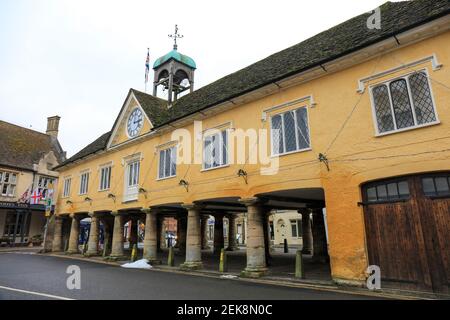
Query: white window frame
point(209, 135)
point(415, 126)
point(44, 186)
point(172, 152)
point(295, 222)
point(85, 190)
point(105, 185)
point(297, 142)
point(9, 185)
point(67, 186)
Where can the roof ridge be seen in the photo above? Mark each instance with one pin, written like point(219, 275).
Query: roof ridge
point(24, 128)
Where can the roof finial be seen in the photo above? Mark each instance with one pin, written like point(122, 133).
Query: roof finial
point(175, 36)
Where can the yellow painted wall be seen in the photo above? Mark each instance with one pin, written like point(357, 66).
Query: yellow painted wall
point(349, 157)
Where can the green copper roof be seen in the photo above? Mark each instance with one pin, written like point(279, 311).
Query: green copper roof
point(174, 54)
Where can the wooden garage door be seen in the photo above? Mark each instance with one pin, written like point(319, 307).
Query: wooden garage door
point(407, 224)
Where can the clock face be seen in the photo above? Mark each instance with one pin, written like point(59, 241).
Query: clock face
point(135, 122)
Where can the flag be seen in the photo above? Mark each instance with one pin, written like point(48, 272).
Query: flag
point(25, 198)
point(147, 65)
point(35, 197)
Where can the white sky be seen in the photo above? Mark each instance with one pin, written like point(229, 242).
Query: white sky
point(78, 58)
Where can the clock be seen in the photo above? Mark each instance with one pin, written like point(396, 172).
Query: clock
point(135, 122)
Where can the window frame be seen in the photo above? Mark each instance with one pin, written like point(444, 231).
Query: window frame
point(297, 142)
point(434, 176)
point(410, 97)
point(376, 184)
point(64, 194)
point(107, 166)
point(220, 133)
point(8, 193)
point(87, 173)
point(173, 149)
point(41, 188)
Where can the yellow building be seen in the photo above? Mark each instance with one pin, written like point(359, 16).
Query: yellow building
point(353, 119)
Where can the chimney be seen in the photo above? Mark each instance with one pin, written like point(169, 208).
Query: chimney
point(52, 126)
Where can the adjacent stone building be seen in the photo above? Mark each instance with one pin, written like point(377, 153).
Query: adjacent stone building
point(27, 158)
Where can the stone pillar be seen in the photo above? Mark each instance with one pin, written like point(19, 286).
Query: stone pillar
point(93, 236)
point(204, 231)
point(117, 241)
point(232, 245)
point(256, 259)
point(182, 225)
point(74, 234)
point(219, 242)
point(57, 236)
point(320, 248)
point(307, 238)
point(150, 239)
point(193, 241)
point(107, 236)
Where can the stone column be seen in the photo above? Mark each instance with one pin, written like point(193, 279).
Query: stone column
point(256, 259)
point(57, 236)
point(117, 241)
point(320, 248)
point(93, 236)
point(74, 234)
point(219, 242)
point(232, 245)
point(307, 238)
point(193, 241)
point(204, 231)
point(182, 225)
point(107, 236)
point(150, 239)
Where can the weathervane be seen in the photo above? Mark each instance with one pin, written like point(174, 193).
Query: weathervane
point(175, 36)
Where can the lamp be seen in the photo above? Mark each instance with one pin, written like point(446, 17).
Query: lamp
point(185, 184)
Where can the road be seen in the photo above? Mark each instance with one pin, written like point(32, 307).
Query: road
point(32, 276)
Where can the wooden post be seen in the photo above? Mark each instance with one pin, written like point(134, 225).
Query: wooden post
point(134, 253)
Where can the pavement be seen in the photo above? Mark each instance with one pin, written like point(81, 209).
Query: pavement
point(27, 275)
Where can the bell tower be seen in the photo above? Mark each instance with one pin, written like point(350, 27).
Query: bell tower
point(174, 72)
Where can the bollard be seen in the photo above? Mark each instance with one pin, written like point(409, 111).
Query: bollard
point(286, 248)
point(170, 258)
point(223, 264)
point(85, 247)
point(105, 247)
point(134, 253)
point(299, 265)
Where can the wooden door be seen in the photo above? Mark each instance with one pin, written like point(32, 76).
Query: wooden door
point(408, 233)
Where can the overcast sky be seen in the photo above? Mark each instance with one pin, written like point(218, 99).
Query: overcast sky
point(78, 58)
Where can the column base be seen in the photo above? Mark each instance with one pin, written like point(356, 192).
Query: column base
point(116, 258)
point(306, 251)
point(232, 249)
point(191, 265)
point(254, 272)
point(91, 254)
point(69, 252)
point(153, 261)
